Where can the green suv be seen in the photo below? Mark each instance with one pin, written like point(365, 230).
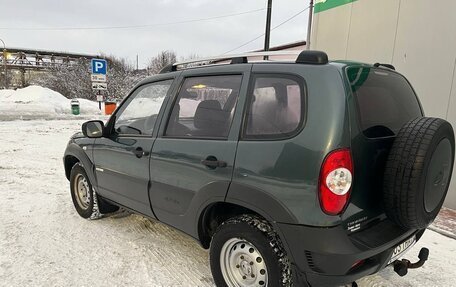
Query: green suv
point(294, 173)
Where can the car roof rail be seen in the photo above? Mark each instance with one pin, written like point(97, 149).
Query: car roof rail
point(228, 59)
point(239, 60)
point(303, 57)
point(389, 66)
point(168, 69)
point(312, 57)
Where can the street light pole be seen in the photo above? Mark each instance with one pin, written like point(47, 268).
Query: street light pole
point(4, 64)
point(309, 25)
point(267, 34)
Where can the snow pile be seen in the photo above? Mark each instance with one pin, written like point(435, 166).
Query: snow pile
point(38, 102)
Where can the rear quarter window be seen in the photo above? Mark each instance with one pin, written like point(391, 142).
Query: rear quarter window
point(275, 107)
point(385, 100)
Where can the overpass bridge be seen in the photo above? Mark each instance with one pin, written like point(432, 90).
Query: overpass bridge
point(22, 59)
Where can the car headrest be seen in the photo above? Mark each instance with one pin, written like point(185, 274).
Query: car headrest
point(281, 94)
point(209, 116)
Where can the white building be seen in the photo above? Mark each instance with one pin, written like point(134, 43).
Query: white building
point(417, 36)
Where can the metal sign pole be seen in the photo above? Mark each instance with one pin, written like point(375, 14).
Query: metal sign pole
point(99, 102)
point(99, 68)
point(5, 68)
point(267, 34)
point(5, 64)
point(309, 25)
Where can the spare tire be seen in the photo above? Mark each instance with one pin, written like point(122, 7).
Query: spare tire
point(418, 172)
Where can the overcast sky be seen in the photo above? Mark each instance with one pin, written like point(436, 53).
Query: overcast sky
point(204, 38)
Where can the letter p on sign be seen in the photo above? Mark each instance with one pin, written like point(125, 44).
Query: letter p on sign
point(99, 66)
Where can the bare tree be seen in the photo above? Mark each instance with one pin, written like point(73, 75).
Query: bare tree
point(160, 61)
point(71, 81)
point(120, 77)
point(74, 81)
point(191, 56)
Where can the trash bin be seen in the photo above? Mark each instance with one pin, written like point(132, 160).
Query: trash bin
point(110, 107)
point(75, 107)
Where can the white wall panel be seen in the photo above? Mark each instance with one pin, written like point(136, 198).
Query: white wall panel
point(451, 197)
point(332, 32)
point(371, 37)
point(426, 49)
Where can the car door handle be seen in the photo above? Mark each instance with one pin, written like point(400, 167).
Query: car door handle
point(139, 152)
point(212, 162)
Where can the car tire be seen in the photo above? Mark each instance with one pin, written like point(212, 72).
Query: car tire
point(418, 172)
point(82, 194)
point(246, 251)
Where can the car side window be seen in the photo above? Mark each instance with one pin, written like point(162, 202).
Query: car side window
point(137, 116)
point(275, 108)
point(204, 107)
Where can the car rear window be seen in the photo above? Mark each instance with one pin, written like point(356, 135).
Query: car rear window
point(385, 100)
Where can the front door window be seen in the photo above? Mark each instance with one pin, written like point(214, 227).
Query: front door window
point(138, 115)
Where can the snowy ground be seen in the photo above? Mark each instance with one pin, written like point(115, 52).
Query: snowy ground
point(43, 242)
point(35, 102)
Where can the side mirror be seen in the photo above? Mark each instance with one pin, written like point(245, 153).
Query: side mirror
point(93, 129)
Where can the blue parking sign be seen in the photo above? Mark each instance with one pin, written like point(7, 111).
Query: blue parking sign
point(99, 66)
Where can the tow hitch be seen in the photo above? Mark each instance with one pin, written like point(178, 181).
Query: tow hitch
point(401, 266)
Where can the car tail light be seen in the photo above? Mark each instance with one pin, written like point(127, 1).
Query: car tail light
point(336, 176)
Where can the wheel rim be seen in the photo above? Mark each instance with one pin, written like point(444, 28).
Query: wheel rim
point(82, 191)
point(242, 264)
point(438, 175)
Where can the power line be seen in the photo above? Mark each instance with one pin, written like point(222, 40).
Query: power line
point(133, 26)
point(273, 28)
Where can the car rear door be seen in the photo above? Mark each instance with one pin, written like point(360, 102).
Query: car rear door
point(192, 159)
point(122, 158)
point(383, 102)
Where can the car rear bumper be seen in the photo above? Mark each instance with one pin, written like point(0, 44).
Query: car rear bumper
point(331, 256)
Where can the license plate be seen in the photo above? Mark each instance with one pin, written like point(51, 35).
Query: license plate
point(402, 248)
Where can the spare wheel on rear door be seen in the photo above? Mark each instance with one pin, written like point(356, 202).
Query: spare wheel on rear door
point(418, 172)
